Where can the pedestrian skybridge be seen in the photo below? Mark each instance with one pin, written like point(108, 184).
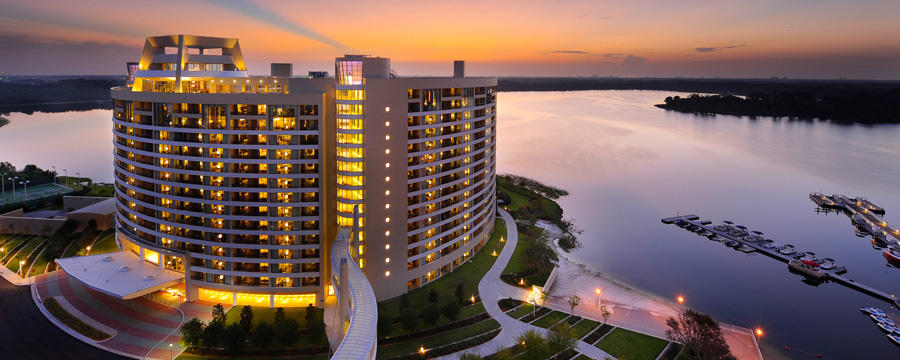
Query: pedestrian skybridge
point(357, 309)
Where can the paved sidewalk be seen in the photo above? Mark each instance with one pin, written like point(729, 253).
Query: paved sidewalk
point(492, 289)
point(144, 328)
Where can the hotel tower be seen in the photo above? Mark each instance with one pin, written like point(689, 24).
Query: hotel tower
point(237, 184)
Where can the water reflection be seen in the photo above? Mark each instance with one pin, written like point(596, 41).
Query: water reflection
point(78, 141)
point(627, 164)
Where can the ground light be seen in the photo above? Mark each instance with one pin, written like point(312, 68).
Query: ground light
point(759, 332)
point(422, 350)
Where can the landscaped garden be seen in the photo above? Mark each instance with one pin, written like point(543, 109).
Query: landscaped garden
point(256, 332)
point(39, 252)
point(626, 344)
point(448, 311)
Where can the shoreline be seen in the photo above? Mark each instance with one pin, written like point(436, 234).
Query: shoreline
point(632, 308)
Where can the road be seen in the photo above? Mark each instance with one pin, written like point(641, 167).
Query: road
point(26, 334)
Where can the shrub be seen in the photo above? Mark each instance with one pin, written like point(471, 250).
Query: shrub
point(430, 315)
point(287, 332)
point(246, 321)
point(451, 310)
point(234, 339)
point(263, 335)
point(192, 333)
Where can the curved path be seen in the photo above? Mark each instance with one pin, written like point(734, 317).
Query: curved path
point(491, 289)
point(26, 334)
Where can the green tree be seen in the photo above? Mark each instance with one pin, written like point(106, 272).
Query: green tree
point(460, 293)
point(385, 324)
point(534, 344)
point(192, 333)
point(317, 331)
point(263, 335)
point(605, 313)
point(701, 335)
point(574, 300)
point(404, 302)
point(234, 339)
point(433, 296)
point(541, 257)
point(409, 321)
point(279, 315)
point(246, 321)
point(451, 310)
point(430, 315)
point(213, 335)
point(561, 338)
point(218, 314)
point(310, 315)
point(287, 332)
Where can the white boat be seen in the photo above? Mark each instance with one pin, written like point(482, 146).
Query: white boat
point(895, 338)
point(872, 310)
point(886, 328)
point(787, 249)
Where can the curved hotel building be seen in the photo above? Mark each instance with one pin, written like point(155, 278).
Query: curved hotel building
point(237, 184)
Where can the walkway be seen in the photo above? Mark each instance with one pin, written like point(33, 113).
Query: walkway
point(26, 334)
point(144, 328)
point(492, 289)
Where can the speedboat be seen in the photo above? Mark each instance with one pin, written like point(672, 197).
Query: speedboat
point(879, 237)
point(808, 256)
point(862, 223)
point(886, 328)
point(807, 268)
point(722, 227)
point(892, 254)
point(732, 243)
point(827, 264)
point(745, 248)
point(873, 311)
point(768, 244)
point(895, 338)
point(787, 249)
point(753, 238)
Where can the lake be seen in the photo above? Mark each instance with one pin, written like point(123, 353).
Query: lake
point(628, 164)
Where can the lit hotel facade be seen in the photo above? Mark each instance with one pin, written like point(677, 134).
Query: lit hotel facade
point(241, 182)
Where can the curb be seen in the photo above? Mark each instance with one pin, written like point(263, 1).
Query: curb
point(73, 333)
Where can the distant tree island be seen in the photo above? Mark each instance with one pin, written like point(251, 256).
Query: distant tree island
point(871, 107)
point(3, 121)
point(56, 93)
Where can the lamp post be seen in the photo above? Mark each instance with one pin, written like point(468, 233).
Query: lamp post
point(25, 183)
point(66, 171)
point(88, 252)
point(680, 299)
point(599, 292)
point(170, 351)
point(13, 179)
point(21, 267)
point(54, 173)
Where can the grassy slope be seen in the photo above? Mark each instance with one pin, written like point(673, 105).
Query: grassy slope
point(630, 345)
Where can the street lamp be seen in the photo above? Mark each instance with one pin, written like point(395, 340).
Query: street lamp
point(88, 252)
point(21, 266)
point(66, 171)
point(680, 299)
point(54, 173)
point(599, 292)
point(25, 183)
point(170, 351)
point(13, 179)
point(758, 331)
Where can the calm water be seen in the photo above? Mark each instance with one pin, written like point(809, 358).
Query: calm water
point(628, 164)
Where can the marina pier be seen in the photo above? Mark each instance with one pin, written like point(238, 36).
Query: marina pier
point(834, 274)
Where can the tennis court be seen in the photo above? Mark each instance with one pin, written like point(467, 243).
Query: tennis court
point(34, 192)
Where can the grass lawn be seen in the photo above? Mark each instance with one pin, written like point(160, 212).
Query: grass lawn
point(517, 264)
point(39, 265)
point(33, 242)
point(584, 327)
point(468, 274)
point(550, 319)
point(526, 204)
point(630, 345)
point(439, 339)
point(105, 243)
point(72, 322)
point(464, 312)
point(9, 242)
point(521, 311)
point(580, 357)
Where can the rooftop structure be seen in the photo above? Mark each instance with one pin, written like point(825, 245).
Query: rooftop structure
point(241, 183)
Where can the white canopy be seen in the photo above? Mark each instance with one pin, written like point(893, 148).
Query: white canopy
point(121, 274)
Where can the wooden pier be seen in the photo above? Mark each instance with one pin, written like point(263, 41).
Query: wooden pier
point(774, 254)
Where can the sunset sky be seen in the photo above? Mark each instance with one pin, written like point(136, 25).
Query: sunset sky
point(724, 38)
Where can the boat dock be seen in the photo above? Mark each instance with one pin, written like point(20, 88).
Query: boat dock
point(852, 206)
point(832, 274)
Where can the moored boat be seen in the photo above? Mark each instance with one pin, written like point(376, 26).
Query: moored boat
point(787, 249)
point(807, 268)
point(892, 254)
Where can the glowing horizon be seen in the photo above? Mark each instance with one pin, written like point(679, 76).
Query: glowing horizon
point(799, 39)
